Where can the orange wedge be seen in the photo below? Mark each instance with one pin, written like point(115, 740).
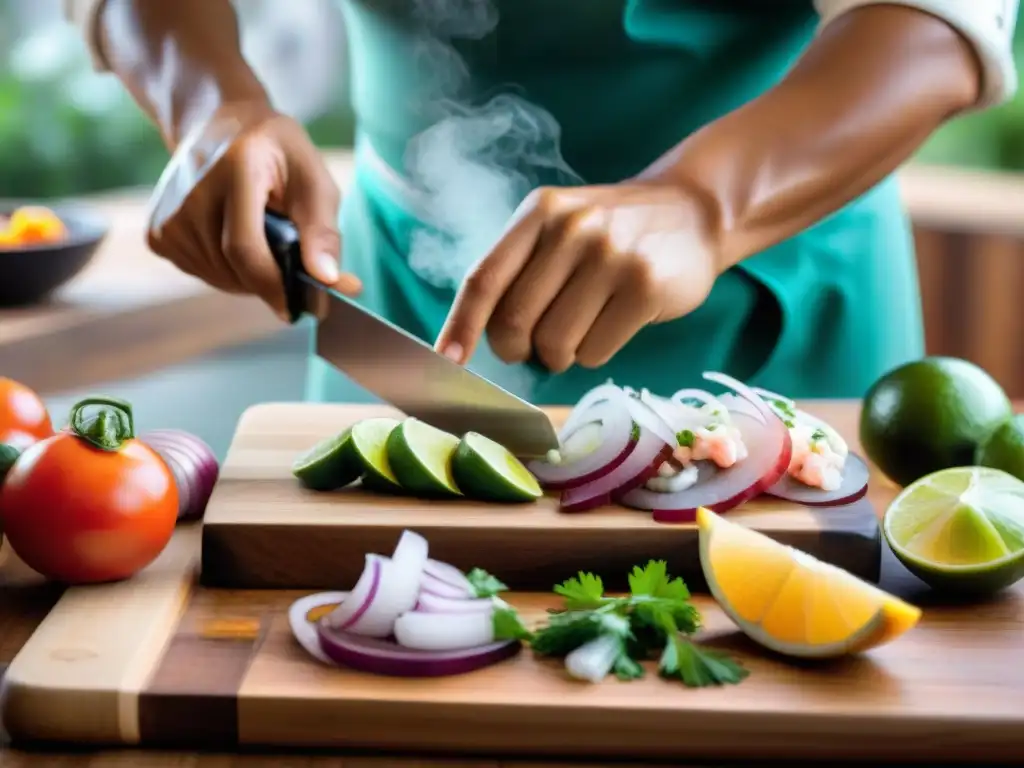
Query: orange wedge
point(791, 602)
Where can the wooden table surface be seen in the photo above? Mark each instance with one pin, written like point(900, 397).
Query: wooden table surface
point(25, 601)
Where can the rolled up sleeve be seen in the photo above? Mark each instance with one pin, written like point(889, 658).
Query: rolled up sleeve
point(987, 25)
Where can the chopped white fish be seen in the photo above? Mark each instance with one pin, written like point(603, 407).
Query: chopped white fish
point(721, 443)
point(672, 479)
point(815, 461)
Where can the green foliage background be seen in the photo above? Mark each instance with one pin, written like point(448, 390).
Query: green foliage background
point(54, 144)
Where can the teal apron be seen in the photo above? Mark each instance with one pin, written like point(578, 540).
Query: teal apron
point(448, 144)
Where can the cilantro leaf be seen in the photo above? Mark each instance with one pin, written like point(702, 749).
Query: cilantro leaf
point(484, 585)
point(507, 623)
point(653, 581)
point(585, 591)
point(698, 667)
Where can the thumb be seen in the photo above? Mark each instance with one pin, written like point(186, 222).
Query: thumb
point(314, 208)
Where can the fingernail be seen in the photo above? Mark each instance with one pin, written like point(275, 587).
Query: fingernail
point(453, 351)
point(328, 267)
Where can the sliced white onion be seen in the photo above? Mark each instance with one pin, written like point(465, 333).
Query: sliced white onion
point(449, 574)
point(444, 631)
point(303, 629)
point(641, 464)
point(429, 603)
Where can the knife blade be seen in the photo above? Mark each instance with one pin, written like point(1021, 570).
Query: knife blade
point(398, 367)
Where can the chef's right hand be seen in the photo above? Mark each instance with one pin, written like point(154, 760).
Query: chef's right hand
point(207, 210)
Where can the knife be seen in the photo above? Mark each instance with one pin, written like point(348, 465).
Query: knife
point(400, 368)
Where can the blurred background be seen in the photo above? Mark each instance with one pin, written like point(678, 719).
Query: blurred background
point(68, 132)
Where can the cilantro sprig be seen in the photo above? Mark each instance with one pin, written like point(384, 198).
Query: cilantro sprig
point(600, 635)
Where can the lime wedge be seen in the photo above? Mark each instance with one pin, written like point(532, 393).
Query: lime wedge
point(369, 442)
point(329, 464)
point(421, 458)
point(960, 530)
point(485, 470)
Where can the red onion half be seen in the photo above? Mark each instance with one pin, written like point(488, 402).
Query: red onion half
point(382, 657)
point(603, 416)
point(769, 450)
point(193, 465)
point(855, 486)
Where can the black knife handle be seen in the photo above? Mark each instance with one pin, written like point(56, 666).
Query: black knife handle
point(283, 239)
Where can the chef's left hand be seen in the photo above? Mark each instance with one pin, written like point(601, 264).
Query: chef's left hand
point(580, 270)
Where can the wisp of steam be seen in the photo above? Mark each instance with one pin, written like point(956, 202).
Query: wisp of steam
point(477, 160)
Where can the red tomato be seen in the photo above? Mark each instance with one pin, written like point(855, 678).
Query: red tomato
point(23, 417)
point(80, 513)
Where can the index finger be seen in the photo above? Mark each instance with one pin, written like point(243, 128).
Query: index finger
point(486, 284)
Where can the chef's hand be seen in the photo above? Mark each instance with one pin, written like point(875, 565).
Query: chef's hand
point(580, 270)
point(207, 211)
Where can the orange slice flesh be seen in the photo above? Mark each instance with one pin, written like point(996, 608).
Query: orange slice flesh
point(791, 602)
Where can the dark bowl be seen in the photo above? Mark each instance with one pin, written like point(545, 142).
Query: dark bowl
point(30, 273)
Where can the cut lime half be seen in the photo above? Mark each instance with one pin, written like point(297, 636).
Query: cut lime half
point(329, 464)
point(369, 442)
point(960, 529)
point(421, 458)
point(486, 470)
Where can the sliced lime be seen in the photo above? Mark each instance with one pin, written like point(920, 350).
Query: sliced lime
point(369, 441)
point(960, 529)
point(485, 470)
point(421, 458)
point(332, 463)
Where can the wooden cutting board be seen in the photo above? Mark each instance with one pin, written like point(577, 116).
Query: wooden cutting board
point(262, 530)
point(160, 661)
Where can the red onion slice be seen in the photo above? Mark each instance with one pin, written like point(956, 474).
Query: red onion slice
point(422, 631)
point(303, 625)
point(429, 603)
point(642, 463)
point(449, 574)
point(648, 418)
point(855, 486)
point(613, 446)
point(400, 579)
point(362, 595)
point(431, 585)
point(768, 454)
point(603, 393)
point(382, 657)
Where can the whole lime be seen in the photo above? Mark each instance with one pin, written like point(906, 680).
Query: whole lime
point(1005, 448)
point(929, 415)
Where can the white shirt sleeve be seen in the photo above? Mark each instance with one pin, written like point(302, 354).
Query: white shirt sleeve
point(84, 14)
point(987, 24)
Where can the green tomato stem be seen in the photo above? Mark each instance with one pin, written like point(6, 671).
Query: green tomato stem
point(108, 424)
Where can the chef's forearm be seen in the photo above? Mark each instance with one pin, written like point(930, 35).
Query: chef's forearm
point(179, 59)
point(870, 89)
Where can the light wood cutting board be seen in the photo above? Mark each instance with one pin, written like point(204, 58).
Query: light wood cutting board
point(158, 661)
point(262, 530)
